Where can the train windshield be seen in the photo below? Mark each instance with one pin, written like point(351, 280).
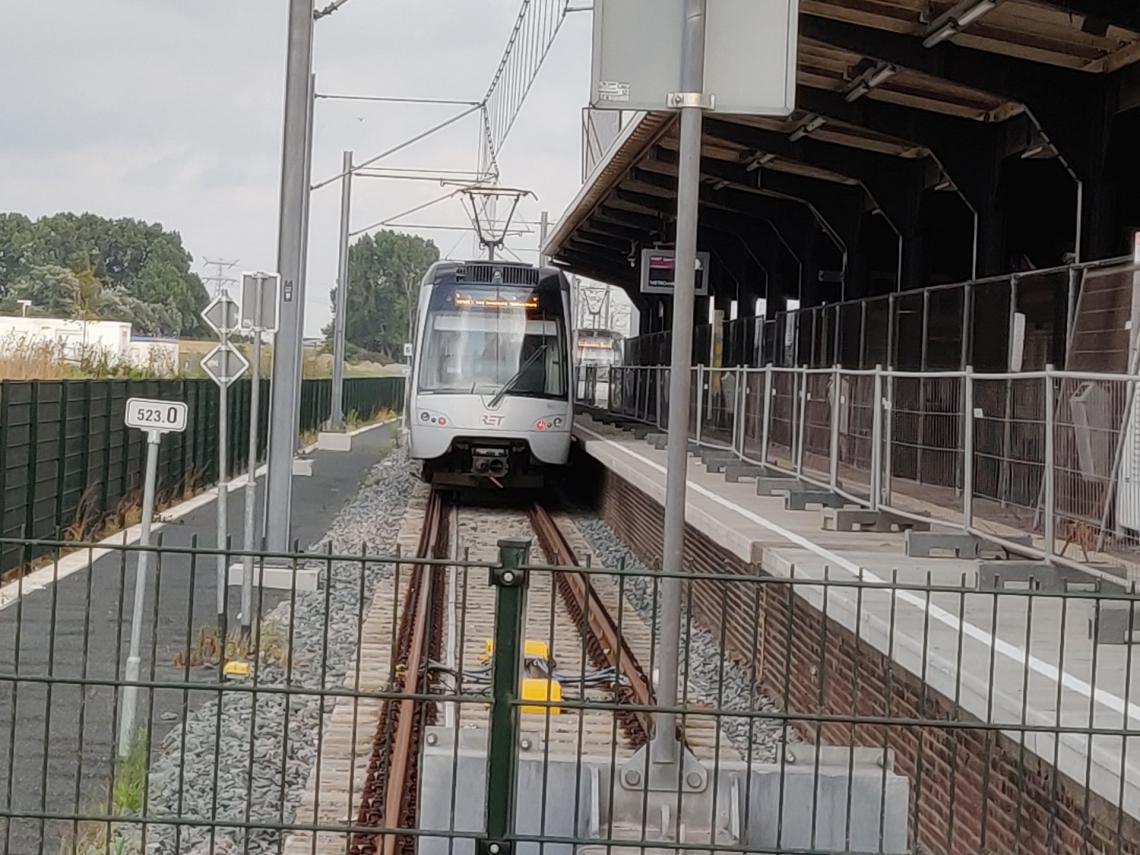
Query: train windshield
point(481, 338)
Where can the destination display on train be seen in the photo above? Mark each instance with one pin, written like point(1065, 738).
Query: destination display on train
point(499, 300)
point(658, 271)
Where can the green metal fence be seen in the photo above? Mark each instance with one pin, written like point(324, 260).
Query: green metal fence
point(70, 468)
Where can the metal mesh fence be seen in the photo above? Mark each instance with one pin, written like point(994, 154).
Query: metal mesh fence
point(69, 467)
point(968, 448)
point(1071, 316)
point(824, 710)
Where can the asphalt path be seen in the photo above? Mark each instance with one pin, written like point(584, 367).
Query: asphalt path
point(58, 738)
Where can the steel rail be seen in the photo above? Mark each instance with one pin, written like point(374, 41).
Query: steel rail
point(604, 641)
point(389, 797)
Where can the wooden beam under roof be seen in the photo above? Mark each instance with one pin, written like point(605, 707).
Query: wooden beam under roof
point(823, 66)
point(838, 133)
point(1037, 31)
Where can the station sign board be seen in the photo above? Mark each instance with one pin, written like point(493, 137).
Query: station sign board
point(750, 55)
point(658, 269)
point(155, 415)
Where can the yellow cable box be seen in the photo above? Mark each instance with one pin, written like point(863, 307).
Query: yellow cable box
point(538, 689)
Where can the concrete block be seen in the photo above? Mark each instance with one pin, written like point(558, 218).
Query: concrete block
point(733, 472)
point(958, 544)
point(712, 455)
point(566, 795)
point(936, 544)
point(800, 500)
point(720, 464)
point(767, 486)
point(303, 466)
point(861, 519)
point(275, 576)
point(1035, 575)
point(333, 440)
point(639, 431)
point(1116, 623)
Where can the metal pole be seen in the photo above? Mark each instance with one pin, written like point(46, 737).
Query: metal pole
point(290, 237)
point(862, 333)
point(967, 311)
point(1071, 311)
point(836, 403)
point(664, 748)
point(738, 411)
point(1007, 425)
point(891, 331)
point(543, 231)
point(657, 382)
point(510, 582)
point(923, 350)
point(801, 426)
point(888, 436)
point(130, 692)
point(336, 420)
point(877, 441)
point(1050, 487)
point(223, 478)
point(765, 426)
point(968, 449)
point(700, 400)
point(251, 472)
point(298, 364)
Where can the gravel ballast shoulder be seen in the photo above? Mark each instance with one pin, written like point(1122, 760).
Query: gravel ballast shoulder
point(266, 744)
point(713, 679)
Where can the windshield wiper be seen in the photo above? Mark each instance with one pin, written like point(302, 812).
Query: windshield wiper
point(495, 401)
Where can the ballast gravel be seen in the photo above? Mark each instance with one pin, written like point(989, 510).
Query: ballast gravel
point(247, 761)
point(713, 679)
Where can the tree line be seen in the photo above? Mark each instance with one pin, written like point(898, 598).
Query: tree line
point(384, 274)
point(89, 267)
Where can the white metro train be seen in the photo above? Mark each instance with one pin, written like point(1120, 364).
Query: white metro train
point(490, 390)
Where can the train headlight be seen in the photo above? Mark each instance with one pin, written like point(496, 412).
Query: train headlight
point(540, 425)
point(430, 418)
point(548, 424)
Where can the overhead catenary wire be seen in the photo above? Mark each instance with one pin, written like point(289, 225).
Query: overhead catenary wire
point(399, 147)
point(386, 99)
point(413, 210)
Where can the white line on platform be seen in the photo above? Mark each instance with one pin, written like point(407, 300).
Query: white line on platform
point(1010, 651)
point(82, 558)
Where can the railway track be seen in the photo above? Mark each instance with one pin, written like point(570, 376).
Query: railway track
point(446, 616)
point(388, 798)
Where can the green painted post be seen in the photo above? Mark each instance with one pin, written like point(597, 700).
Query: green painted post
point(510, 608)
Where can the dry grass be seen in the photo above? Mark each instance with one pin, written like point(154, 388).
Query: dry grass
point(354, 421)
point(22, 358)
point(269, 642)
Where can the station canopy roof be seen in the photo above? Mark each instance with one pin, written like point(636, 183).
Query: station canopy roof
point(873, 89)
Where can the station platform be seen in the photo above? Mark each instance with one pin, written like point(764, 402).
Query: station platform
point(912, 639)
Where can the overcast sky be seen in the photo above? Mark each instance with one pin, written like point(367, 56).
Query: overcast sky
point(171, 111)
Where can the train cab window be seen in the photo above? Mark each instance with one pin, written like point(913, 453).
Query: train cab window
point(480, 338)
